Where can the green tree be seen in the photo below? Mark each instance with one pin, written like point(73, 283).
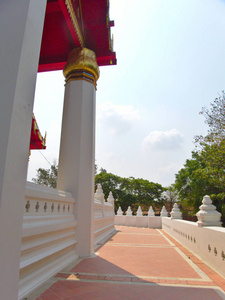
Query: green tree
point(205, 172)
point(215, 119)
point(126, 191)
point(109, 182)
point(130, 191)
point(192, 182)
point(147, 192)
point(47, 177)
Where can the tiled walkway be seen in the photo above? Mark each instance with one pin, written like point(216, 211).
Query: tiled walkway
point(136, 263)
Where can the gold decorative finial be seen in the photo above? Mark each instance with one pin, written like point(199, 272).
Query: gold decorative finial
point(81, 64)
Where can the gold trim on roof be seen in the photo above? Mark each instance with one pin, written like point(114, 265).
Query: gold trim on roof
point(75, 22)
point(81, 16)
point(109, 30)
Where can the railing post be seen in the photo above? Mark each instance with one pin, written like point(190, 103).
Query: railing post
point(129, 212)
point(99, 198)
point(175, 212)
point(110, 199)
point(151, 212)
point(164, 212)
point(119, 212)
point(139, 212)
point(99, 194)
point(207, 215)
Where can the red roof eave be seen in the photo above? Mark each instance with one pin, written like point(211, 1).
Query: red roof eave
point(69, 24)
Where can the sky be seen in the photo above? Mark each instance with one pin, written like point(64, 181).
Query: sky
point(170, 63)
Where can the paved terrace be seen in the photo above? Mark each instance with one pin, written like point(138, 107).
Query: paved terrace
point(136, 263)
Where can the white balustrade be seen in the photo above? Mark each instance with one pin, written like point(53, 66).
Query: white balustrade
point(49, 231)
point(150, 221)
point(205, 242)
point(104, 215)
point(48, 236)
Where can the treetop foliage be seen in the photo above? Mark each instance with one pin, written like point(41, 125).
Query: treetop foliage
point(215, 119)
point(130, 191)
point(126, 191)
point(204, 173)
point(47, 177)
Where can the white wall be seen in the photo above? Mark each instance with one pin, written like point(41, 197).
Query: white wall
point(104, 220)
point(139, 221)
point(208, 243)
point(49, 235)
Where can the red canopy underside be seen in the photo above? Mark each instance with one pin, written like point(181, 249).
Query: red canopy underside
point(75, 23)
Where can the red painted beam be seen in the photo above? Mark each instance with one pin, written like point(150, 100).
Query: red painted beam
point(70, 23)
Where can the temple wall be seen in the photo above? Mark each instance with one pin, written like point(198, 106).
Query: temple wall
point(48, 236)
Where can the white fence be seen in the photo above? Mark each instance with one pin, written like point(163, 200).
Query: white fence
point(48, 239)
point(150, 221)
point(139, 221)
point(104, 216)
point(208, 243)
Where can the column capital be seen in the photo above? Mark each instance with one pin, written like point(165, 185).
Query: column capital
point(81, 65)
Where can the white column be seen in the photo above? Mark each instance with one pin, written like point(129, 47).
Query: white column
point(21, 25)
point(77, 149)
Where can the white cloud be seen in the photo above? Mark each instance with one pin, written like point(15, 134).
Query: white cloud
point(117, 118)
point(163, 140)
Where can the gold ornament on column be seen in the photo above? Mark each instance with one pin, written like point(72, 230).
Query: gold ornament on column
point(81, 65)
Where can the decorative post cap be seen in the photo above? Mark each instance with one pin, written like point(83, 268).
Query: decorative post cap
point(99, 188)
point(99, 196)
point(151, 212)
point(129, 211)
point(139, 211)
point(207, 215)
point(175, 212)
point(164, 212)
point(81, 64)
point(110, 198)
point(119, 212)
